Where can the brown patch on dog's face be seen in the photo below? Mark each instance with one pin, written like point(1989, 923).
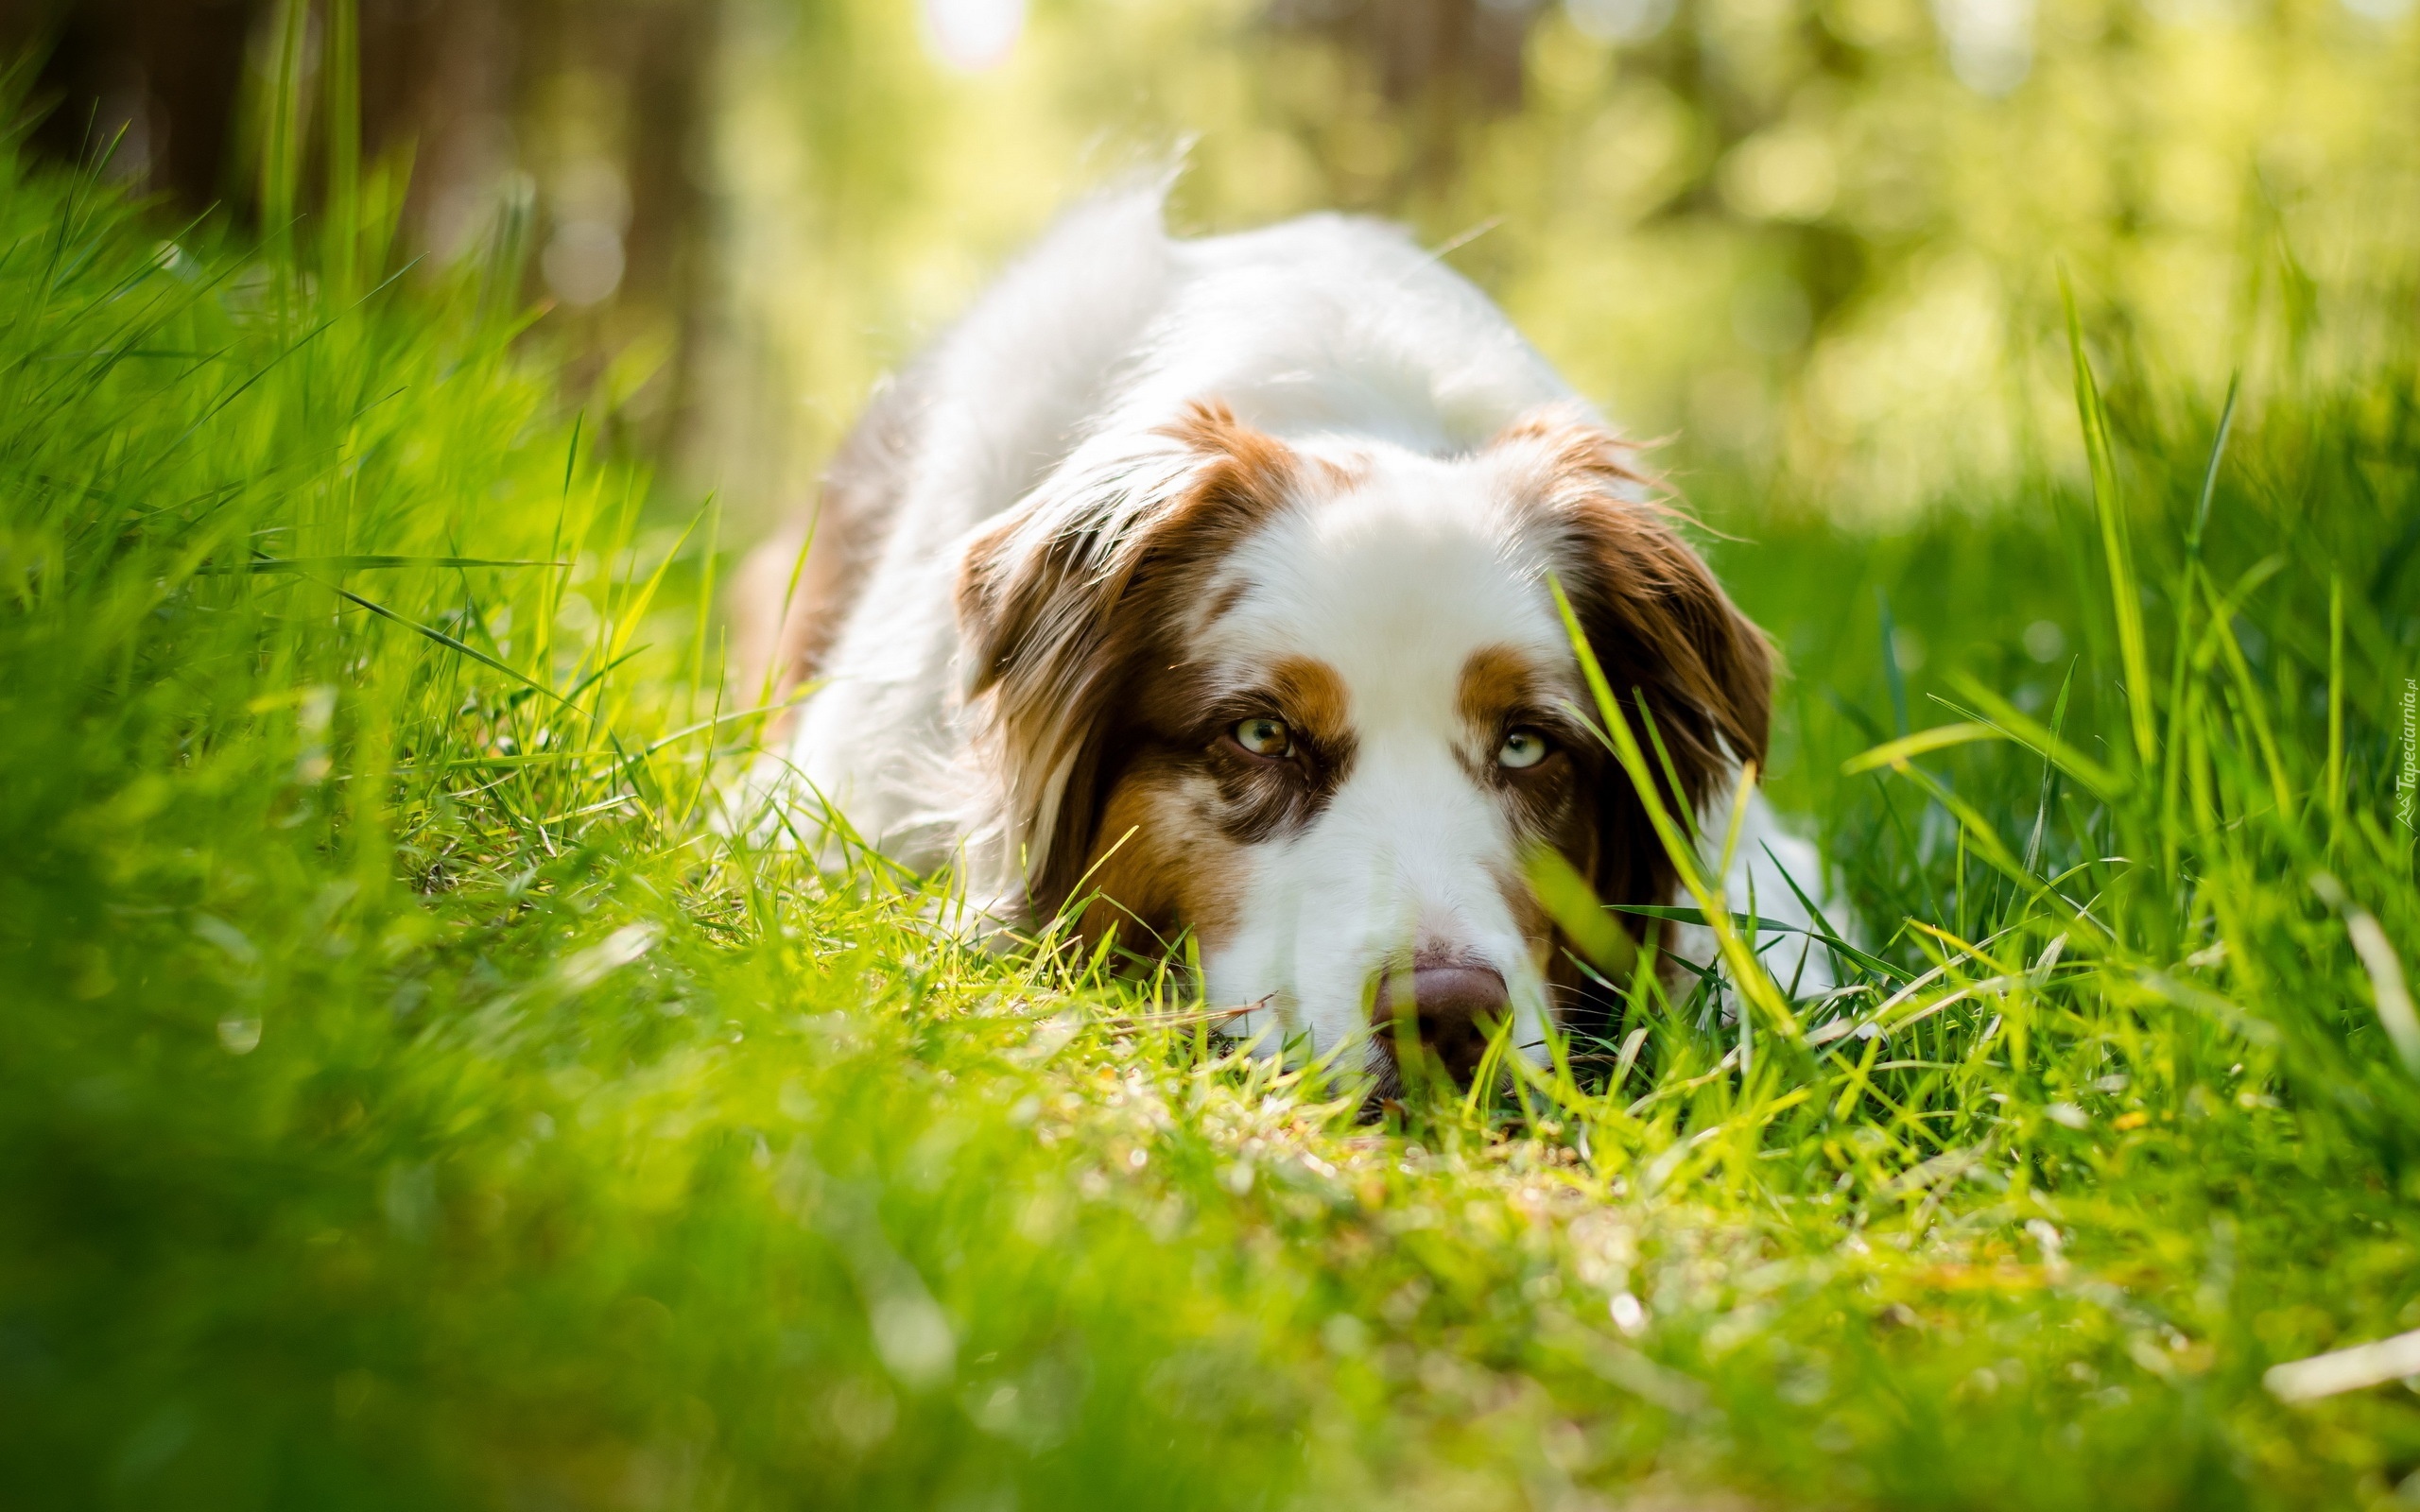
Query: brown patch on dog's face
point(1086, 635)
point(1077, 612)
point(1508, 704)
point(1498, 681)
point(1161, 865)
point(1264, 793)
point(1189, 798)
point(1313, 700)
point(1552, 802)
point(1674, 649)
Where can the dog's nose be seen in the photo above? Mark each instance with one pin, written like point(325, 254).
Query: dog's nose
point(1454, 1010)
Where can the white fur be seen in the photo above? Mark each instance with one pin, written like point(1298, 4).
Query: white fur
point(1394, 586)
point(1343, 339)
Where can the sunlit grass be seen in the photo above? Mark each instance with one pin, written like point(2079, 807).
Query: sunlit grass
point(412, 1097)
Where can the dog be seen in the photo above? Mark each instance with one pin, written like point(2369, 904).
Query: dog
point(1204, 586)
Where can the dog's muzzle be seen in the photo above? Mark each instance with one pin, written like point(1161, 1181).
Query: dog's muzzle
point(1453, 1008)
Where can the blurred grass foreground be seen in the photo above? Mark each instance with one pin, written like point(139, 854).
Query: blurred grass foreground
point(408, 1098)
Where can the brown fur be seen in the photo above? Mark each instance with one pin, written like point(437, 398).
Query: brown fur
point(1075, 612)
point(1555, 803)
point(1157, 869)
point(1497, 682)
point(1180, 809)
point(1312, 699)
point(780, 633)
point(1676, 651)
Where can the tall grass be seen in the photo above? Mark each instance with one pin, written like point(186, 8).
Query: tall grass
point(408, 1098)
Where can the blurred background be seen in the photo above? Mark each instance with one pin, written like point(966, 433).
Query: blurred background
point(1818, 243)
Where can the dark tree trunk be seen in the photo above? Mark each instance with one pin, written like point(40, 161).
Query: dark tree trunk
point(158, 78)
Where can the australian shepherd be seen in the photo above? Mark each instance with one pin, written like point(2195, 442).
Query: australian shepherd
point(1203, 586)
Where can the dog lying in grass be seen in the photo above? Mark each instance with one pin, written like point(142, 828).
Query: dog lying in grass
point(1207, 586)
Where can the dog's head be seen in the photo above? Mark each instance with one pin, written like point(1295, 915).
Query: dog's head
point(1315, 705)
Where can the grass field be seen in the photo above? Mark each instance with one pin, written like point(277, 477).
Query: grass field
point(408, 1099)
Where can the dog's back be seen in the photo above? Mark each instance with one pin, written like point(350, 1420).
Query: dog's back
point(960, 434)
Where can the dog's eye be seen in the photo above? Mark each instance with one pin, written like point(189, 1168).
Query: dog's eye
point(1522, 748)
point(1264, 736)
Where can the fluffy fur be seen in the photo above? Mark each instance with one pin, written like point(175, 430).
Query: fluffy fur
point(1151, 495)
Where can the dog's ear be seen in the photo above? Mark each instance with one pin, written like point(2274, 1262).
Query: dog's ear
point(1672, 644)
point(1073, 593)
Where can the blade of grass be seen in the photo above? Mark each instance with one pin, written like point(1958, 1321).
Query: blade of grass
point(1941, 737)
point(450, 643)
point(1894, 677)
point(2334, 771)
point(2126, 599)
point(1755, 983)
point(371, 563)
point(2105, 784)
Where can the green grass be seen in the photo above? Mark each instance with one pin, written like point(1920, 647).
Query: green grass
point(407, 1099)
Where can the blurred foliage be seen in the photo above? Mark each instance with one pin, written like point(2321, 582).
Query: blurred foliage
point(1819, 242)
point(1822, 241)
point(573, 126)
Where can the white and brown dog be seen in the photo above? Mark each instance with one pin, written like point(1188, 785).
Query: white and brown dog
point(1205, 583)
